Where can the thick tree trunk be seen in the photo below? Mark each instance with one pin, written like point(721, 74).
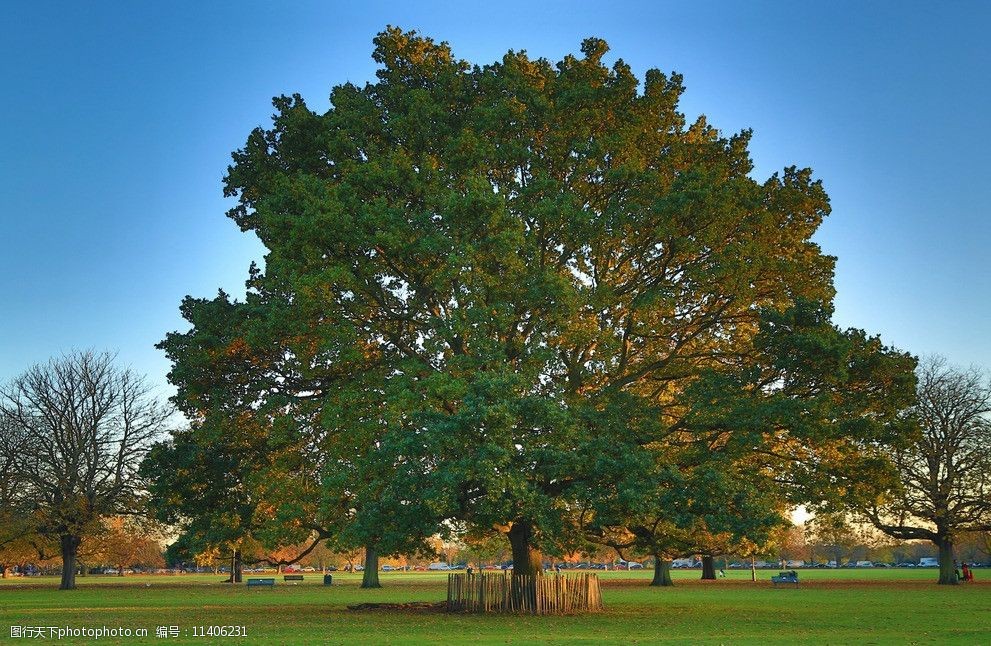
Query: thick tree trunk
point(3, 571)
point(527, 562)
point(370, 577)
point(70, 547)
point(947, 566)
point(527, 559)
point(708, 568)
point(237, 567)
point(662, 572)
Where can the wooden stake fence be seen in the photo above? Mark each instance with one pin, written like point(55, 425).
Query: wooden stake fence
point(550, 594)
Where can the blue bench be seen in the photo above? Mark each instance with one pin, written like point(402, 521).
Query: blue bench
point(265, 581)
point(790, 576)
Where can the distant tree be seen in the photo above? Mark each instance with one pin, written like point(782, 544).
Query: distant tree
point(901, 552)
point(75, 431)
point(481, 547)
point(200, 482)
point(322, 557)
point(675, 512)
point(945, 472)
point(371, 495)
point(126, 541)
point(790, 544)
point(982, 546)
point(209, 557)
point(23, 550)
point(833, 535)
point(351, 556)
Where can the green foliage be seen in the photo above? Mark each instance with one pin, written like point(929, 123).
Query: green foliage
point(797, 421)
point(503, 294)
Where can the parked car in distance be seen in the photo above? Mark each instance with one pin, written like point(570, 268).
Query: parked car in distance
point(389, 568)
point(438, 566)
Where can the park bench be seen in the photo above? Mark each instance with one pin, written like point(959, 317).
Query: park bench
point(790, 576)
point(292, 577)
point(264, 581)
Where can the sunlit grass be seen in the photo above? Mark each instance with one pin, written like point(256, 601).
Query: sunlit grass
point(895, 606)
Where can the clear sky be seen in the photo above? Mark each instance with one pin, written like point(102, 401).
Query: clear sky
point(118, 121)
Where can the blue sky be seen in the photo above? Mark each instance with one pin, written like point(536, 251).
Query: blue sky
point(119, 119)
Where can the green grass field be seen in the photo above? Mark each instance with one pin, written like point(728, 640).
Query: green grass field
point(830, 607)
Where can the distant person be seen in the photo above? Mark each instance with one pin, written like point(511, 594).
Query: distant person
point(722, 572)
point(967, 574)
point(956, 570)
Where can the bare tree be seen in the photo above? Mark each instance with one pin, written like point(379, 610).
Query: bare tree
point(946, 471)
point(15, 521)
point(74, 431)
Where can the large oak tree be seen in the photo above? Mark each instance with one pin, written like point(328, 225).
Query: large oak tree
point(479, 278)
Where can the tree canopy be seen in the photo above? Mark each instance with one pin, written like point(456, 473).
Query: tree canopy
point(490, 291)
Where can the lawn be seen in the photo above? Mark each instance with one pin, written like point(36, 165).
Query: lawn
point(832, 607)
